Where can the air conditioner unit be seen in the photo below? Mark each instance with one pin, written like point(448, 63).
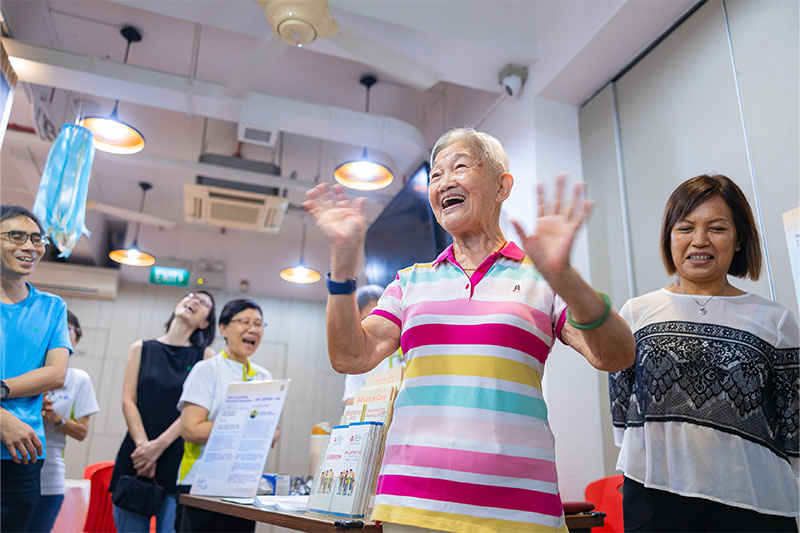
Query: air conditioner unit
point(230, 208)
point(247, 133)
point(80, 281)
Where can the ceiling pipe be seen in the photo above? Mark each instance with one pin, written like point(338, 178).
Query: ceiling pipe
point(114, 80)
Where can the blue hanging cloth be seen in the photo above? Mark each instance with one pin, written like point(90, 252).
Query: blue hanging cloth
point(61, 200)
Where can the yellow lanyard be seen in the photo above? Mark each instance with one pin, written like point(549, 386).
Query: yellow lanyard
point(246, 372)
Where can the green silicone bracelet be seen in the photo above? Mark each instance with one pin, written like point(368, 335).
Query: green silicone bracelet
point(597, 322)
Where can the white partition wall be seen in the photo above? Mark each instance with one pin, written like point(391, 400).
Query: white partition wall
point(679, 115)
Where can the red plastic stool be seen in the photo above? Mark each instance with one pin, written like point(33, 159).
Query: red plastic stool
point(605, 494)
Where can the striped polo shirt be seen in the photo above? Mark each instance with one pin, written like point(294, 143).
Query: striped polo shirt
point(469, 448)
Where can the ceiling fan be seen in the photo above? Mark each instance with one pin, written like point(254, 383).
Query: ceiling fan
point(130, 215)
point(300, 23)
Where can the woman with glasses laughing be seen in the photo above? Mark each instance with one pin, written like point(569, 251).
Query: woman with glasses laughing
point(241, 324)
point(153, 382)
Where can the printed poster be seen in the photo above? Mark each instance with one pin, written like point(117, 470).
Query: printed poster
point(238, 447)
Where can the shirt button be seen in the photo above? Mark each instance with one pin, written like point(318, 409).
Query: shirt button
point(466, 286)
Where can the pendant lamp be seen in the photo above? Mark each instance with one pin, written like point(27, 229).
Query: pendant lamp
point(364, 175)
point(133, 256)
point(110, 133)
point(301, 273)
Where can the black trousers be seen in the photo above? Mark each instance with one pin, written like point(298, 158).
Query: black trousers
point(191, 519)
point(646, 509)
point(19, 494)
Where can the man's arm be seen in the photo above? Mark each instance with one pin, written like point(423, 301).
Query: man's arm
point(19, 438)
point(39, 380)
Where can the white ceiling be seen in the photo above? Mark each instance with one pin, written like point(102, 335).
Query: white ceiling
point(571, 48)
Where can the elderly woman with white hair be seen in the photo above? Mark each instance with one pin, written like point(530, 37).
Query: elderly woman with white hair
point(470, 448)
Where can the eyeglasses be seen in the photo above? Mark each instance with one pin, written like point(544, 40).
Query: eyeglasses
point(199, 297)
point(20, 237)
point(247, 324)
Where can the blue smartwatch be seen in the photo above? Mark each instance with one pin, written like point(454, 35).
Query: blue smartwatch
point(346, 287)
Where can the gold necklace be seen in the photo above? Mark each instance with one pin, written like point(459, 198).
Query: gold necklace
point(703, 311)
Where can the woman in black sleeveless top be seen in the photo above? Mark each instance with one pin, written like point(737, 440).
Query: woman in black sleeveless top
point(153, 382)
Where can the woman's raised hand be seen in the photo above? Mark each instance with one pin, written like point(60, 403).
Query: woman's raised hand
point(550, 244)
point(341, 221)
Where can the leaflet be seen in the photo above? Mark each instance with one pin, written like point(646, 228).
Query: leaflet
point(328, 471)
point(238, 447)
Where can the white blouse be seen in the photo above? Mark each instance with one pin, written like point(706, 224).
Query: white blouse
point(710, 408)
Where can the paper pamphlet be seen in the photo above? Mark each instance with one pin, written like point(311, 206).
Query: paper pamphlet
point(352, 413)
point(238, 447)
point(328, 468)
point(391, 377)
point(355, 470)
point(282, 503)
point(376, 394)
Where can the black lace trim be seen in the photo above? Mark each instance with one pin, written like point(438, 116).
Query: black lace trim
point(714, 376)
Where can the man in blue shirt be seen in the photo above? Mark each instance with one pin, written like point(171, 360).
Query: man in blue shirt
point(34, 350)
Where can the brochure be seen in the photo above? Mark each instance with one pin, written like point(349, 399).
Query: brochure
point(238, 447)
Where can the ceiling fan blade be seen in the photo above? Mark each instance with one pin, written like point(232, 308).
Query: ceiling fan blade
point(130, 215)
point(252, 66)
point(384, 59)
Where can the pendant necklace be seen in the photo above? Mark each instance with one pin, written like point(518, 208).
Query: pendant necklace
point(703, 311)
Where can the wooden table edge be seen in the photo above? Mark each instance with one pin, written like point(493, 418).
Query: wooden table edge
point(314, 522)
point(307, 521)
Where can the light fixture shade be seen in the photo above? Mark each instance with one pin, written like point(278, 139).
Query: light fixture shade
point(300, 274)
point(114, 136)
point(363, 175)
point(132, 257)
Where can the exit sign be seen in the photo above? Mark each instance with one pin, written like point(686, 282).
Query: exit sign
point(169, 276)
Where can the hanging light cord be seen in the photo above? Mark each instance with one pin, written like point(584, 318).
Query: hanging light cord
point(367, 81)
point(303, 244)
point(130, 39)
point(145, 187)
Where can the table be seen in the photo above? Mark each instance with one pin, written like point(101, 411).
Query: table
point(307, 521)
point(72, 515)
point(314, 522)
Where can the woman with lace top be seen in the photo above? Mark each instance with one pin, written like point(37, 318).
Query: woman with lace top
point(707, 417)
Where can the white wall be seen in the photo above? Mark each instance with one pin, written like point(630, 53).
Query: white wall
point(293, 346)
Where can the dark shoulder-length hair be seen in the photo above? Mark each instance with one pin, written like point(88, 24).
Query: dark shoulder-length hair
point(234, 307)
point(200, 338)
point(693, 192)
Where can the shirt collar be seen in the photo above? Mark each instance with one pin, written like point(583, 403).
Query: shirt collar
point(510, 250)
